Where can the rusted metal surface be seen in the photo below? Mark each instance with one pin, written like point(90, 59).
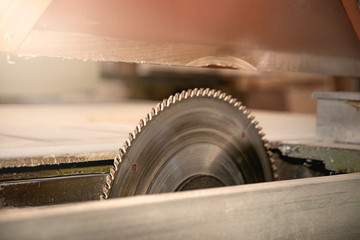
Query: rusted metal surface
point(296, 168)
point(340, 158)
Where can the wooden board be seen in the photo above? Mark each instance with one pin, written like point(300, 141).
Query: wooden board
point(313, 36)
point(313, 208)
point(32, 135)
point(17, 19)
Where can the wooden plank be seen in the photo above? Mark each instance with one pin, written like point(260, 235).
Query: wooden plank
point(281, 36)
point(17, 18)
point(242, 57)
point(352, 10)
point(57, 158)
point(54, 134)
point(313, 208)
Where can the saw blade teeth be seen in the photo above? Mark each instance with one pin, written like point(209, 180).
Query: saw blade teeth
point(136, 131)
point(169, 101)
point(254, 122)
point(237, 104)
point(200, 92)
point(148, 117)
point(126, 145)
point(141, 123)
point(131, 137)
point(182, 95)
point(276, 176)
point(108, 181)
point(158, 108)
point(227, 98)
point(258, 128)
point(222, 96)
point(270, 153)
point(116, 164)
point(106, 191)
point(267, 146)
point(206, 92)
point(194, 92)
point(122, 152)
point(274, 168)
point(262, 134)
point(232, 101)
point(117, 160)
point(153, 112)
point(112, 172)
point(216, 93)
point(242, 108)
point(138, 128)
point(176, 97)
point(105, 194)
point(197, 92)
point(188, 93)
point(163, 104)
point(211, 93)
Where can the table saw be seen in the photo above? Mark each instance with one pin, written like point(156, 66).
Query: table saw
point(198, 164)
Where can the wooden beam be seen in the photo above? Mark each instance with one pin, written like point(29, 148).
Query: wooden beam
point(17, 18)
point(313, 208)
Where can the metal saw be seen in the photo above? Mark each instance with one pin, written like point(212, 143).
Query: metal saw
point(195, 139)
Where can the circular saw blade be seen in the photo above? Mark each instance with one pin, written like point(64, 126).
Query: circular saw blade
point(192, 140)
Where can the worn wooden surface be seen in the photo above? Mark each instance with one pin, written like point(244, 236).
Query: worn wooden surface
point(313, 208)
point(32, 135)
point(281, 36)
point(17, 19)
